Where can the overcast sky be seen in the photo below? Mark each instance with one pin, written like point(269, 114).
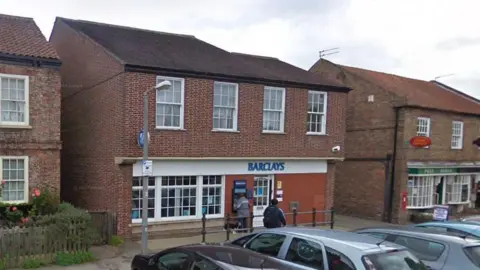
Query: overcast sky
point(419, 39)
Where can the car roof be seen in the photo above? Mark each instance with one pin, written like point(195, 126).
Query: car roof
point(340, 240)
point(423, 233)
point(465, 226)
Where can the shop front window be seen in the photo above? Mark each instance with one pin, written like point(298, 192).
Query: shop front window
point(458, 188)
point(137, 202)
point(179, 197)
point(420, 192)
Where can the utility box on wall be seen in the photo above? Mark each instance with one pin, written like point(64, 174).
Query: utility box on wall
point(294, 205)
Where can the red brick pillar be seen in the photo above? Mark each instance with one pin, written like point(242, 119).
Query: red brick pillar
point(122, 186)
point(331, 166)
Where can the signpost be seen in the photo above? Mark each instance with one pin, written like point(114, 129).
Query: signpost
point(420, 141)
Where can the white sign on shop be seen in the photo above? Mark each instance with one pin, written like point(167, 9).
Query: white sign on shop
point(227, 167)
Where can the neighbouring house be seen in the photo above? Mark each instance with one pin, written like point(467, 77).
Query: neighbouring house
point(30, 97)
point(381, 166)
point(227, 118)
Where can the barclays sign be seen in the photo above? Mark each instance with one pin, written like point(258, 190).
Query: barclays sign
point(266, 166)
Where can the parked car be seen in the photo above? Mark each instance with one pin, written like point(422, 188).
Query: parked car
point(463, 229)
point(475, 219)
point(438, 251)
point(330, 249)
point(209, 257)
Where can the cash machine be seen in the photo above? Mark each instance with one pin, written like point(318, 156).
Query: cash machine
point(239, 187)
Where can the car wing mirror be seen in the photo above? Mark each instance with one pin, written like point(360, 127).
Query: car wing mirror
point(151, 261)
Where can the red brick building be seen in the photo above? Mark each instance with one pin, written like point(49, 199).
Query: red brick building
point(29, 109)
point(384, 112)
point(227, 117)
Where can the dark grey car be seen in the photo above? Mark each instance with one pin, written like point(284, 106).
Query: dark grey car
point(437, 251)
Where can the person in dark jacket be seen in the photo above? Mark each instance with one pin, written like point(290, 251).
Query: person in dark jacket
point(273, 217)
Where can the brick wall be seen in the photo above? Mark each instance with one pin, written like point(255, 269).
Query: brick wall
point(360, 180)
point(102, 115)
point(41, 142)
point(92, 113)
point(198, 140)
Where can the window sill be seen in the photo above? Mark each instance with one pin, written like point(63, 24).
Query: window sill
point(225, 130)
point(15, 126)
point(419, 207)
point(316, 134)
point(273, 132)
point(169, 129)
point(461, 148)
point(138, 222)
point(457, 203)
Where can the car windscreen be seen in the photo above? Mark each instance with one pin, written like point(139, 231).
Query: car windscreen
point(473, 253)
point(242, 258)
point(393, 260)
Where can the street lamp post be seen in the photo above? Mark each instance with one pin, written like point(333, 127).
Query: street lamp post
point(160, 86)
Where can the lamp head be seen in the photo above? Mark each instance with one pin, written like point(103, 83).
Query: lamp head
point(163, 85)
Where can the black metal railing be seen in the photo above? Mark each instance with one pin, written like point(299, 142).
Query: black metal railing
point(296, 218)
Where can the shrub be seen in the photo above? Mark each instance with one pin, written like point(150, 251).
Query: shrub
point(68, 220)
point(66, 258)
point(116, 241)
point(45, 201)
point(31, 263)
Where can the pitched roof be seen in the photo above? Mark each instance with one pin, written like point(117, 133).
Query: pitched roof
point(21, 36)
point(420, 93)
point(186, 53)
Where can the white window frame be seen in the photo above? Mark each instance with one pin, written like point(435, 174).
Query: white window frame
point(281, 111)
point(456, 182)
point(199, 196)
point(457, 136)
point(325, 107)
point(428, 126)
point(136, 188)
point(25, 175)
point(26, 121)
point(182, 104)
point(235, 110)
point(427, 189)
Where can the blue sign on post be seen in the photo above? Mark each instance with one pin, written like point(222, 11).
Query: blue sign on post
point(141, 138)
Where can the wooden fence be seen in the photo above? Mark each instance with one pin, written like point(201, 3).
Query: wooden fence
point(39, 242)
point(105, 224)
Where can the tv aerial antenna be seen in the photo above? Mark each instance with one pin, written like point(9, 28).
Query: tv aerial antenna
point(443, 76)
point(324, 53)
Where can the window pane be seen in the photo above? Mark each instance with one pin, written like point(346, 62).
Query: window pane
point(267, 243)
point(13, 172)
point(306, 253)
point(179, 194)
point(137, 197)
point(212, 195)
point(423, 249)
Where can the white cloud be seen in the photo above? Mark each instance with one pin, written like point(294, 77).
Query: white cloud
point(420, 39)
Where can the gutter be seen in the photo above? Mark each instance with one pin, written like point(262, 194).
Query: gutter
point(30, 61)
point(392, 171)
point(240, 79)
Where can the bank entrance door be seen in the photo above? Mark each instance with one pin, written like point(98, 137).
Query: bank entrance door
point(262, 194)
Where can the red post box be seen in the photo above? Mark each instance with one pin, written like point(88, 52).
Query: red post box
point(404, 200)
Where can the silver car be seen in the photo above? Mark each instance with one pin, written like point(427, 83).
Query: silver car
point(330, 249)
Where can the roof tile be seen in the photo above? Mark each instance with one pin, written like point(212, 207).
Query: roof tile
point(186, 53)
point(419, 93)
point(21, 36)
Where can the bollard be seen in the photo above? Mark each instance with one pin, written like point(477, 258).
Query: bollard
point(204, 227)
point(295, 217)
point(314, 217)
point(332, 218)
point(251, 221)
point(227, 224)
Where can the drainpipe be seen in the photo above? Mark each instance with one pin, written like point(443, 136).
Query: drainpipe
point(392, 171)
